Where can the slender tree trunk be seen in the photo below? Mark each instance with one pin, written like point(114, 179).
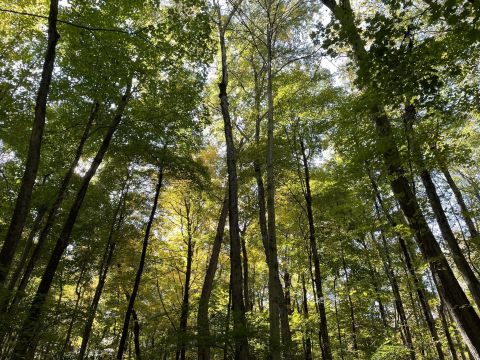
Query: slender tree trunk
point(79, 293)
point(28, 247)
point(418, 284)
point(458, 304)
point(238, 306)
point(141, 264)
point(136, 335)
point(288, 299)
point(202, 315)
point(271, 223)
point(323, 332)
point(446, 330)
point(22, 204)
point(396, 293)
point(308, 341)
point(180, 355)
point(461, 202)
point(353, 323)
point(458, 257)
point(26, 342)
point(246, 290)
point(227, 322)
point(420, 289)
point(276, 300)
point(339, 332)
point(118, 217)
point(52, 213)
point(376, 285)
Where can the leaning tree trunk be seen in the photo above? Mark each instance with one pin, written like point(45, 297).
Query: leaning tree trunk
point(27, 337)
point(446, 330)
point(418, 284)
point(457, 302)
point(141, 264)
point(203, 327)
point(28, 248)
point(461, 202)
point(238, 306)
point(79, 292)
point(459, 259)
point(324, 339)
point(388, 265)
point(52, 213)
point(24, 197)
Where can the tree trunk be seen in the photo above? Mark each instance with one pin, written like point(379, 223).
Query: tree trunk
point(418, 284)
point(459, 259)
point(376, 285)
point(22, 204)
point(141, 264)
point(458, 304)
point(446, 330)
point(79, 294)
point(180, 355)
point(323, 332)
point(52, 213)
point(203, 325)
point(420, 289)
point(118, 217)
point(461, 202)
point(136, 335)
point(26, 341)
point(353, 323)
point(396, 293)
point(238, 306)
point(339, 333)
point(246, 290)
point(28, 247)
point(308, 341)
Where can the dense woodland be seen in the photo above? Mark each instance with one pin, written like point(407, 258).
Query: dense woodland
point(245, 179)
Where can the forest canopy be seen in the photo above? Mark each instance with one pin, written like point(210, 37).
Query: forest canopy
point(240, 179)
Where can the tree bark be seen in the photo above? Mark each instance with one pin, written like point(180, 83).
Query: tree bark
point(203, 352)
point(238, 305)
point(458, 304)
point(26, 341)
point(324, 339)
point(22, 204)
point(141, 264)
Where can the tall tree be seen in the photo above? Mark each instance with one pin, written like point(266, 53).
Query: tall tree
point(238, 305)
